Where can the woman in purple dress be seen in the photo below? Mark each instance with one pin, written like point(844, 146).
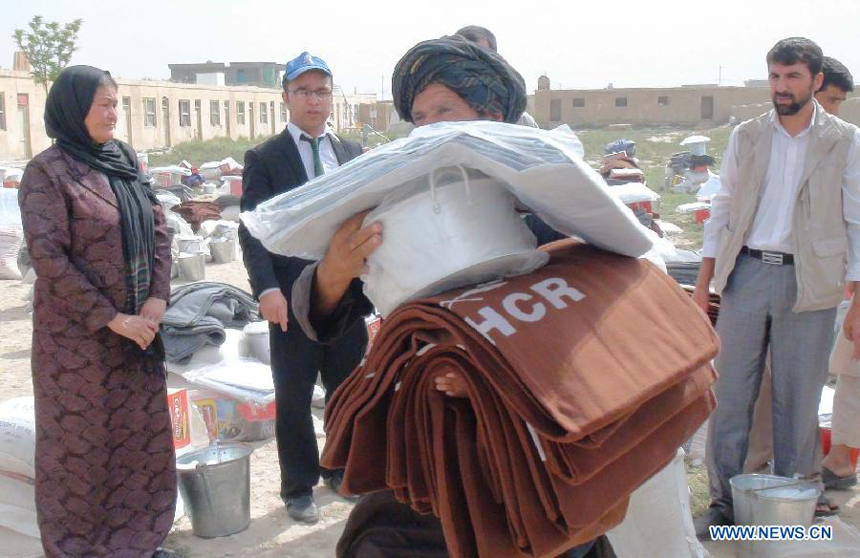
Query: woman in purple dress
point(105, 467)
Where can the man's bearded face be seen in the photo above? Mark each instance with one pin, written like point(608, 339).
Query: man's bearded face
point(791, 86)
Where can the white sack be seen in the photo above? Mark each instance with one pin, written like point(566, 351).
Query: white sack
point(10, 212)
point(16, 545)
point(18, 506)
point(710, 188)
point(634, 192)
point(11, 239)
point(658, 520)
point(18, 436)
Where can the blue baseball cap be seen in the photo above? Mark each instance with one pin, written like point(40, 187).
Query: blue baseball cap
point(302, 63)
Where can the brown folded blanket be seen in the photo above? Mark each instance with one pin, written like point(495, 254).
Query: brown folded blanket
point(584, 378)
point(195, 212)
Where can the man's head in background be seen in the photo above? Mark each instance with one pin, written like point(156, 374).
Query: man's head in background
point(453, 79)
point(480, 36)
point(307, 92)
point(837, 83)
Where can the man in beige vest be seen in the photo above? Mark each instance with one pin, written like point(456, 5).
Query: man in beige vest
point(781, 230)
point(837, 471)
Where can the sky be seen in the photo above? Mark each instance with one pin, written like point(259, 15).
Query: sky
point(645, 43)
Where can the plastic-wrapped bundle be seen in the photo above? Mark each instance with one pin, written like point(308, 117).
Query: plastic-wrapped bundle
point(542, 170)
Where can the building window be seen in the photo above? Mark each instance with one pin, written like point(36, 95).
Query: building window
point(240, 76)
point(555, 110)
point(2, 111)
point(620, 101)
point(149, 119)
point(126, 106)
point(264, 113)
point(240, 112)
point(663, 101)
point(579, 102)
point(283, 112)
point(214, 113)
point(184, 112)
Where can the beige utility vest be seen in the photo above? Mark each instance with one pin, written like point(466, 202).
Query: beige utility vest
point(818, 226)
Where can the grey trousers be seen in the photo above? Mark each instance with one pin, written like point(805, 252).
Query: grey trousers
point(755, 314)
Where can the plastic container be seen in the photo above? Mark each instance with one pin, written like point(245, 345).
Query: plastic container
point(825, 445)
point(215, 483)
point(235, 184)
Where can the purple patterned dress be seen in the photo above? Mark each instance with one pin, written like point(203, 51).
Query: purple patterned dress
point(105, 466)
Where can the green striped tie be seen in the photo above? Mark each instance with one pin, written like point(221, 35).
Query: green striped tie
point(315, 147)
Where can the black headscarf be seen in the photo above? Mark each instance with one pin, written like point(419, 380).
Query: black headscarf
point(481, 77)
point(68, 104)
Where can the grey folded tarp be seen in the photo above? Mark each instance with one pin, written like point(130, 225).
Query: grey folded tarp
point(198, 314)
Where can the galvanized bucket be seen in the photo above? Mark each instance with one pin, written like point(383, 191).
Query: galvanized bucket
point(223, 251)
point(192, 267)
point(771, 500)
point(215, 483)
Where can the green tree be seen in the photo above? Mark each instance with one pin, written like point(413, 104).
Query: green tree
point(48, 46)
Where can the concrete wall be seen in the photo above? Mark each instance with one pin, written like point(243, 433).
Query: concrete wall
point(144, 134)
point(170, 131)
point(24, 133)
point(678, 105)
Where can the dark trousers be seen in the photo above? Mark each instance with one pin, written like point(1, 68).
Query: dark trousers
point(296, 360)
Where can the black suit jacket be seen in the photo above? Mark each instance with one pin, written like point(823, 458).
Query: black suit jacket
point(272, 168)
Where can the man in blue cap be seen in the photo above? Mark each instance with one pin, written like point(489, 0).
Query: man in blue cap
point(307, 148)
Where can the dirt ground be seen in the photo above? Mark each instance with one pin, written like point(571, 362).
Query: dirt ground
point(272, 532)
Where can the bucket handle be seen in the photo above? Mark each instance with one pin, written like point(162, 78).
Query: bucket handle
point(436, 207)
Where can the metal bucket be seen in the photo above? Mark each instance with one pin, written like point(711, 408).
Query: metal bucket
point(215, 483)
point(256, 336)
point(192, 267)
point(223, 251)
point(777, 504)
point(191, 244)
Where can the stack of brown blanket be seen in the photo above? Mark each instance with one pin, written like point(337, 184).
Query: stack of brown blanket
point(584, 378)
point(195, 212)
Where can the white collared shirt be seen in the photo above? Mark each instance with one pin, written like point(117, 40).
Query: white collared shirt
point(327, 155)
point(771, 228)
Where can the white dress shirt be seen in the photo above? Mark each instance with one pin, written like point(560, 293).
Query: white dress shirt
point(327, 156)
point(771, 228)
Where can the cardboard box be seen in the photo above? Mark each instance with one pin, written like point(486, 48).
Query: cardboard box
point(177, 403)
point(228, 419)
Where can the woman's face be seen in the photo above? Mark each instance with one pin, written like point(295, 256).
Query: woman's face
point(101, 120)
